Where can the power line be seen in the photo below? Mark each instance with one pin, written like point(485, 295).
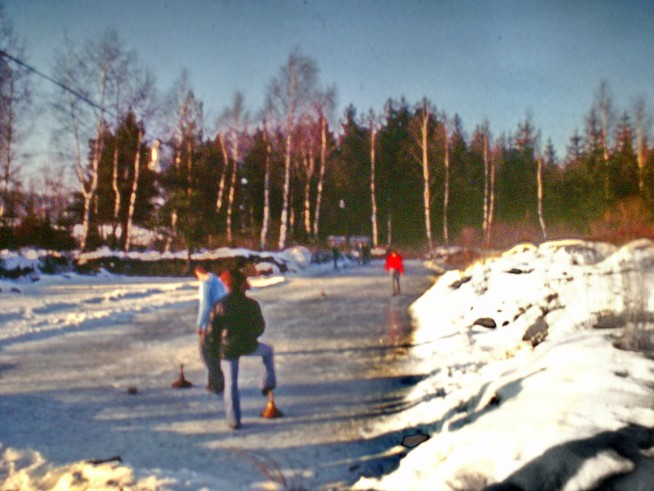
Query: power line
point(56, 82)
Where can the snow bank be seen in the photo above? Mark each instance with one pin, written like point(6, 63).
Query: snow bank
point(524, 385)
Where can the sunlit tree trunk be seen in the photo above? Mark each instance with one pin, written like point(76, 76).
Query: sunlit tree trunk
point(539, 182)
point(488, 184)
point(641, 143)
point(7, 134)
point(283, 227)
point(116, 189)
point(423, 144)
point(491, 204)
point(605, 108)
point(309, 164)
point(266, 189)
point(134, 192)
point(15, 95)
point(373, 191)
point(321, 174)
point(446, 191)
point(291, 93)
point(89, 185)
point(223, 176)
point(232, 187)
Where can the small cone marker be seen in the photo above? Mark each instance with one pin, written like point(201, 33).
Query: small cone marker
point(181, 382)
point(271, 410)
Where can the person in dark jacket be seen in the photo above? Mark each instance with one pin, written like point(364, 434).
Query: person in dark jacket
point(238, 322)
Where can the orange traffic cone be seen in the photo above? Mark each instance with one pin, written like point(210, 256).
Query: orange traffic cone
point(181, 382)
point(271, 410)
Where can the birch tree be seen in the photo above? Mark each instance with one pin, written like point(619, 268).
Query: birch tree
point(134, 191)
point(373, 125)
point(188, 114)
point(324, 105)
point(234, 118)
point(446, 184)
point(15, 100)
point(263, 240)
point(132, 90)
point(308, 135)
point(224, 173)
point(604, 106)
point(422, 138)
point(489, 185)
point(104, 81)
point(539, 184)
point(87, 72)
point(641, 126)
point(289, 93)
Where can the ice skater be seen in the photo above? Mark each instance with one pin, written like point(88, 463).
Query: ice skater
point(395, 268)
point(239, 322)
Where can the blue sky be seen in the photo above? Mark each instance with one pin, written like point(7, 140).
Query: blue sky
point(494, 60)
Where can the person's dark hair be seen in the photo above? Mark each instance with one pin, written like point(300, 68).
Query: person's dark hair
point(239, 280)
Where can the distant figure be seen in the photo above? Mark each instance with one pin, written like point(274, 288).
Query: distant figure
point(366, 253)
point(238, 322)
point(210, 291)
point(395, 268)
point(335, 256)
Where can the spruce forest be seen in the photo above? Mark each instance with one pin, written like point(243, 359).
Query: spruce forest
point(410, 173)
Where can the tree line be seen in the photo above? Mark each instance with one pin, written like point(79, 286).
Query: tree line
point(295, 172)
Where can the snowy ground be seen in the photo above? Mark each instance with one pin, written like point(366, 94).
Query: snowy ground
point(563, 409)
point(513, 374)
point(72, 347)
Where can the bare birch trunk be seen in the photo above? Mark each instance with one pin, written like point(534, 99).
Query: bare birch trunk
point(605, 152)
point(485, 222)
point(309, 159)
point(321, 176)
point(189, 169)
point(232, 187)
point(8, 137)
point(491, 204)
point(173, 224)
point(266, 191)
point(373, 192)
point(425, 175)
point(539, 182)
point(132, 196)
point(642, 159)
point(389, 225)
point(604, 105)
point(446, 193)
point(641, 144)
point(283, 228)
point(223, 177)
point(116, 190)
point(88, 192)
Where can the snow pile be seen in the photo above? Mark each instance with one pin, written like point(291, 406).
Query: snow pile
point(525, 386)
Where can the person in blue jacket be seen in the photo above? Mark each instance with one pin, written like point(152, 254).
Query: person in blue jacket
point(210, 291)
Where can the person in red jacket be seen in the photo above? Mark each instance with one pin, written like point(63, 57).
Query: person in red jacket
point(395, 268)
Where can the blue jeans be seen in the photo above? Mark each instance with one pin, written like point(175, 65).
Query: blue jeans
point(395, 281)
point(230, 370)
point(211, 356)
